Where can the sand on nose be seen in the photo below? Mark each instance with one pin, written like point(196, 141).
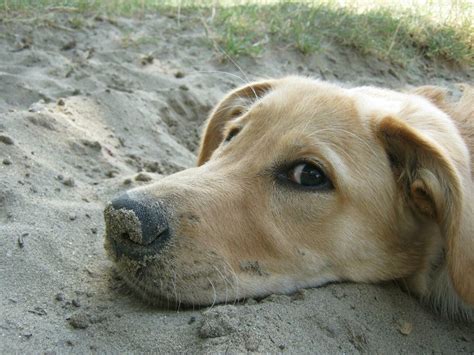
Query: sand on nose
point(122, 223)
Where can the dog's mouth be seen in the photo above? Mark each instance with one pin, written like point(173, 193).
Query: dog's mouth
point(170, 279)
point(121, 245)
point(136, 278)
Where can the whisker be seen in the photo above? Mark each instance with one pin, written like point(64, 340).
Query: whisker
point(232, 272)
point(225, 281)
point(215, 295)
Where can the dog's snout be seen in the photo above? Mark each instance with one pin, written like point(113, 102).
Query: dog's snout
point(136, 226)
point(149, 214)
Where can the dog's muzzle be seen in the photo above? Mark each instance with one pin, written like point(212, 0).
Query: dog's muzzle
point(136, 227)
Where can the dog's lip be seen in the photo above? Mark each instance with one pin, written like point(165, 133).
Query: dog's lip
point(123, 246)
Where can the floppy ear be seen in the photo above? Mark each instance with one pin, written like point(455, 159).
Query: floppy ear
point(435, 189)
point(232, 106)
point(462, 111)
point(435, 94)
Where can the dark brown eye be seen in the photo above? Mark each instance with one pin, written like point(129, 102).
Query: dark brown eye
point(232, 133)
point(308, 175)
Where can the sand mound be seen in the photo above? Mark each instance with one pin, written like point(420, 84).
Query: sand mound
point(87, 113)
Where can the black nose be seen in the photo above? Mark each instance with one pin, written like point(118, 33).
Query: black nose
point(137, 226)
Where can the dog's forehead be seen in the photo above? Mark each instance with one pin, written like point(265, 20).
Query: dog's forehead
point(305, 106)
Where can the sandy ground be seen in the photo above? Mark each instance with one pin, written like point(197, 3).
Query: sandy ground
point(86, 113)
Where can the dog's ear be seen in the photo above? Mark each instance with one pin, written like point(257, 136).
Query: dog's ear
point(435, 94)
point(232, 106)
point(436, 189)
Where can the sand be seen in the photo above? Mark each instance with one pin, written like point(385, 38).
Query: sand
point(87, 113)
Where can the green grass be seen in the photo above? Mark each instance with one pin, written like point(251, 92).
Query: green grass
point(396, 36)
point(434, 29)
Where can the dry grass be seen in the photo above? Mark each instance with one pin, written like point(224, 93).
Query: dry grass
point(432, 29)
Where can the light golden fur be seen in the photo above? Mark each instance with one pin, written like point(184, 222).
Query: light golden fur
point(401, 207)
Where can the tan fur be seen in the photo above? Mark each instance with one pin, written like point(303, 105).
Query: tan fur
point(229, 108)
point(238, 231)
point(462, 111)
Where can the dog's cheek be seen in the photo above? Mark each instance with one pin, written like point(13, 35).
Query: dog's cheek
point(306, 218)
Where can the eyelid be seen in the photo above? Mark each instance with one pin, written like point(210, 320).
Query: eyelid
point(310, 161)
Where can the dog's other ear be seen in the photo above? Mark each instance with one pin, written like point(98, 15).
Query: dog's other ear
point(462, 111)
point(435, 94)
point(436, 189)
point(232, 106)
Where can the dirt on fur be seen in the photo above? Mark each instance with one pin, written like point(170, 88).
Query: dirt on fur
point(88, 112)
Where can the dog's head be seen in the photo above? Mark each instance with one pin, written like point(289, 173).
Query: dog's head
point(300, 183)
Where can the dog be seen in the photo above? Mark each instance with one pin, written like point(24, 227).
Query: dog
point(301, 183)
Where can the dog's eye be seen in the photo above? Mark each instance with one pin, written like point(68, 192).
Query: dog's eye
point(232, 133)
point(308, 175)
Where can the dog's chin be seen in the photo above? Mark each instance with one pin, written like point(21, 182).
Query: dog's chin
point(173, 292)
point(150, 294)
